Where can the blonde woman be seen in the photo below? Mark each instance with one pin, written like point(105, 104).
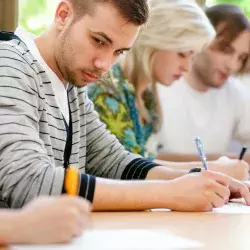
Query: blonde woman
point(127, 99)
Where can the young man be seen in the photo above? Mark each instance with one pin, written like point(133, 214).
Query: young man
point(48, 123)
point(207, 102)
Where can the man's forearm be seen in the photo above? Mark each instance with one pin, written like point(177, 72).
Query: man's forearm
point(136, 195)
point(168, 171)
point(232, 167)
point(117, 195)
point(195, 157)
point(7, 226)
point(179, 167)
point(185, 157)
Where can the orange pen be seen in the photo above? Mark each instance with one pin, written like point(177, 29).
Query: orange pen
point(71, 181)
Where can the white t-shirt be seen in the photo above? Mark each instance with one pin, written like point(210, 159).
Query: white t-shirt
point(60, 90)
point(245, 79)
point(217, 116)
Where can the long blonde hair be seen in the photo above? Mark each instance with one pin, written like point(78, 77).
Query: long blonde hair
point(175, 25)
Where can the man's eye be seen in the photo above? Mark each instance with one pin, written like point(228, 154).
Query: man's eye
point(120, 52)
point(243, 58)
point(98, 41)
point(182, 55)
point(227, 49)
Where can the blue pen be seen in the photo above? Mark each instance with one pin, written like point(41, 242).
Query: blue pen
point(201, 152)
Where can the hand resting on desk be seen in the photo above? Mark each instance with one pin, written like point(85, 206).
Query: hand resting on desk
point(45, 220)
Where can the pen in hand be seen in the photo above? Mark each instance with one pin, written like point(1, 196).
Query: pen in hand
point(71, 181)
point(201, 152)
point(242, 153)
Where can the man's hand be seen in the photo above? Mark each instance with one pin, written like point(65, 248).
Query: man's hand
point(240, 190)
point(234, 168)
point(198, 192)
point(231, 167)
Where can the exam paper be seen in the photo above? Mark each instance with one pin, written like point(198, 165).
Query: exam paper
point(233, 208)
point(129, 239)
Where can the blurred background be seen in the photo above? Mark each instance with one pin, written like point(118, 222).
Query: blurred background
point(36, 15)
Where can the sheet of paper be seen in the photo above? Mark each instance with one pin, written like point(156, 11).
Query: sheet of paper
point(123, 240)
point(233, 208)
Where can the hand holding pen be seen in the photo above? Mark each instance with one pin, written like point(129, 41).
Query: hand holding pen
point(71, 181)
point(201, 152)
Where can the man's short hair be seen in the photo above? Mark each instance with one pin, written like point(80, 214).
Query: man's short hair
point(135, 11)
point(229, 21)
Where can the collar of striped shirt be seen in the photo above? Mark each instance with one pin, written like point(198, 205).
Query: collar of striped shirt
point(58, 87)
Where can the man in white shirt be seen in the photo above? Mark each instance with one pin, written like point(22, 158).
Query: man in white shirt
point(207, 102)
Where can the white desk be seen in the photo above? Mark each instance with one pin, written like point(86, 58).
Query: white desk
point(160, 230)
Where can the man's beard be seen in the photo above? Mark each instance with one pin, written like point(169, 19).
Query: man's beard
point(207, 81)
point(68, 73)
point(205, 76)
point(65, 57)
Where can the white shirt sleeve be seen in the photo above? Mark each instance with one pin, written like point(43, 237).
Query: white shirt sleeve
point(241, 131)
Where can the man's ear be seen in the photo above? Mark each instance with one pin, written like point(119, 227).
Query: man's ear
point(63, 15)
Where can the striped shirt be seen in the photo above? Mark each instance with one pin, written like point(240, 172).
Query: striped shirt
point(33, 134)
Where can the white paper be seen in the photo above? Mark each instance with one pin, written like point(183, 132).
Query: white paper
point(129, 239)
point(233, 208)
